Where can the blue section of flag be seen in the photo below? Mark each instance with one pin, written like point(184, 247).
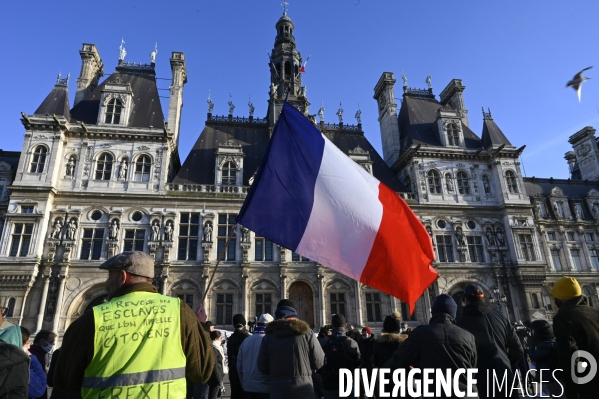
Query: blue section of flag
point(280, 200)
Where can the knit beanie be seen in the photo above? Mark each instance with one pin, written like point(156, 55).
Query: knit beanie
point(444, 304)
point(338, 320)
point(566, 288)
point(239, 320)
point(474, 293)
point(284, 312)
point(265, 319)
point(541, 330)
point(391, 323)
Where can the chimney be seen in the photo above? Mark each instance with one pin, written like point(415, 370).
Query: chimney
point(92, 69)
point(176, 100)
point(452, 96)
point(384, 96)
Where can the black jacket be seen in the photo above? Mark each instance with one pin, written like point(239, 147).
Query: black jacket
point(233, 344)
point(440, 345)
point(218, 374)
point(384, 346)
point(544, 356)
point(497, 345)
point(576, 327)
point(367, 352)
point(330, 382)
point(14, 372)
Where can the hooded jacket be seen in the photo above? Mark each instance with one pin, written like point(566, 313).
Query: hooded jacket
point(288, 353)
point(251, 378)
point(576, 327)
point(384, 346)
point(14, 372)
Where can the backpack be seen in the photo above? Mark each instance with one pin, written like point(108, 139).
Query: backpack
point(335, 356)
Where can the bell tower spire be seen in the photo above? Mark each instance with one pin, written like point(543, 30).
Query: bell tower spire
point(285, 76)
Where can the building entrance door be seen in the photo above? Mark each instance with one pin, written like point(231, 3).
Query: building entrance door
point(302, 297)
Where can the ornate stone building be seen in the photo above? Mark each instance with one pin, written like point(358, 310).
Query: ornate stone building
point(104, 176)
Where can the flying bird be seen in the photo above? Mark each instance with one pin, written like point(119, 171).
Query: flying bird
point(576, 82)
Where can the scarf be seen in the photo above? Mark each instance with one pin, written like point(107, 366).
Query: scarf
point(260, 330)
point(219, 348)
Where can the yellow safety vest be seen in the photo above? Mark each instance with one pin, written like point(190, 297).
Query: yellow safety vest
point(137, 349)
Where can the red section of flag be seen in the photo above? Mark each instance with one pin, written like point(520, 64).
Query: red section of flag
point(201, 313)
point(303, 68)
point(401, 256)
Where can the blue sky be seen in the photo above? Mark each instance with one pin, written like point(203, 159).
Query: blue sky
point(513, 57)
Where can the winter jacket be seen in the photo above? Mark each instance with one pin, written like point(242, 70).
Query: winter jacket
point(544, 356)
point(37, 379)
point(288, 354)
point(233, 344)
point(576, 327)
point(14, 372)
point(367, 352)
point(251, 378)
point(384, 346)
point(497, 345)
point(330, 382)
point(218, 373)
point(42, 357)
point(438, 345)
point(77, 348)
point(57, 393)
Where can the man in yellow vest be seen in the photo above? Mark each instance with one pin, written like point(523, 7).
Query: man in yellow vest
point(139, 344)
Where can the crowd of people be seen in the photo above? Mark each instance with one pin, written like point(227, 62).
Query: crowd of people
point(143, 344)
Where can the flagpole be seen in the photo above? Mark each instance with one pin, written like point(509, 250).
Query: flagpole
point(222, 254)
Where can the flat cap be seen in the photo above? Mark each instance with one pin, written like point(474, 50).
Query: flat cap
point(134, 262)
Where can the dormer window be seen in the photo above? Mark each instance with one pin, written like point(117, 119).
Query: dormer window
point(104, 167)
point(510, 180)
point(463, 183)
point(229, 174)
point(26, 209)
point(434, 182)
point(142, 168)
point(453, 134)
point(114, 108)
point(39, 159)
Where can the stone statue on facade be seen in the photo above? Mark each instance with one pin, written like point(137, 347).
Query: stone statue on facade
point(156, 231)
point(71, 167)
point(486, 185)
point(273, 89)
point(71, 229)
point(231, 105)
point(459, 235)
point(208, 232)
point(123, 171)
point(321, 113)
point(448, 183)
point(122, 51)
point(339, 113)
point(168, 231)
point(429, 81)
point(56, 229)
point(500, 237)
point(251, 108)
point(490, 237)
point(153, 54)
point(404, 78)
point(245, 234)
point(540, 209)
point(359, 116)
point(596, 211)
point(302, 91)
point(579, 211)
point(114, 230)
point(558, 212)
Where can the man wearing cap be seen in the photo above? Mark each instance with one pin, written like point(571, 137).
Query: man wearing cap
point(289, 352)
point(497, 345)
point(255, 384)
point(139, 343)
point(439, 345)
point(233, 344)
point(576, 328)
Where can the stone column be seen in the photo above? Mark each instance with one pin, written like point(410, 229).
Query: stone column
point(320, 276)
point(244, 292)
point(283, 276)
point(58, 311)
point(40, 315)
point(359, 317)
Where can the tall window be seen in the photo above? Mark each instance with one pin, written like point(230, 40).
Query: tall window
point(463, 184)
point(224, 309)
point(263, 249)
point(551, 235)
point(226, 223)
point(134, 239)
point(405, 313)
point(434, 182)
point(187, 299)
point(229, 173)
point(445, 248)
point(555, 258)
point(576, 259)
point(263, 304)
point(104, 167)
point(10, 309)
point(546, 299)
point(337, 303)
point(526, 246)
point(594, 259)
point(373, 306)
point(570, 236)
point(39, 159)
point(475, 248)
point(91, 247)
point(453, 134)
point(189, 229)
point(21, 238)
point(510, 180)
point(142, 168)
point(589, 237)
point(113, 111)
point(297, 258)
point(535, 301)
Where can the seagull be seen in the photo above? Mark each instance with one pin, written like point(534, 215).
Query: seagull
point(576, 82)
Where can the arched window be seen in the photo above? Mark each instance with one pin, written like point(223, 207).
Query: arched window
point(287, 70)
point(229, 175)
point(510, 180)
point(113, 111)
point(588, 294)
point(463, 184)
point(142, 168)
point(486, 184)
point(10, 309)
point(546, 299)
point(434, 182)
point(453, 134)
point(39, 159)
point(535, 301)
point(104, 167)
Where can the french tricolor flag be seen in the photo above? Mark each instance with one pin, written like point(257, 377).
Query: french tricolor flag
point(308, 196)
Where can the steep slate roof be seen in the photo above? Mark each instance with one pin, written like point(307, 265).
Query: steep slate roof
point(417, 117)
point(11, 158)
point(492, 135)
point(57, 102)
point(574, 189)
point(146, 110)
point(199, 165)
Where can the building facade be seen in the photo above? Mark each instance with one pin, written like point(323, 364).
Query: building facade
point(104, 176)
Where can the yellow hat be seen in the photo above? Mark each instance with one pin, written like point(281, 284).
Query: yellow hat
point(566, 288)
